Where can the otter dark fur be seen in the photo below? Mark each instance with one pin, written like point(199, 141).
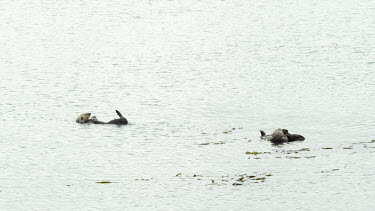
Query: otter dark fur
point(84, 118)
point(280, 136)
point(293, 137)
point(120, 121)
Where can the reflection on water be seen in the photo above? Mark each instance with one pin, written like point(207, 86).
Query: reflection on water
point(196, 80)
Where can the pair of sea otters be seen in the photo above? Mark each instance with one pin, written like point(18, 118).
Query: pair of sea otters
point(85, 118)
point(277, 137)
point(281, 136)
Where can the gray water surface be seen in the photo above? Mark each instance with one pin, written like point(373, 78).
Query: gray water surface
point(196, 80)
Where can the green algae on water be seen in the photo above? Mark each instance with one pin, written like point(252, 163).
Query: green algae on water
point(253, 153)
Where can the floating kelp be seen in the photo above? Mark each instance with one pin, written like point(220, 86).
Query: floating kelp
point(256, 153)
point(241, 179)
point(260, 178)
point(238, 179)
point(253, 153)
point(231, 130)
point(143, 179)
point(327, 148)
point(293, 157)
point(104, 182)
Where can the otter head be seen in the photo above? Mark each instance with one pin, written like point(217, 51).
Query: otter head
point(94, 119)
point(285, 131)
point(82, 118)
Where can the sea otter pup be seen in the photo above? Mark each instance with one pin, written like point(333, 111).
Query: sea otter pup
point(85, 118)
point(280, 136)
point(293, 137)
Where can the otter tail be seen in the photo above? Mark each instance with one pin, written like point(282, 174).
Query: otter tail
point(118, 113)
point(262, 133)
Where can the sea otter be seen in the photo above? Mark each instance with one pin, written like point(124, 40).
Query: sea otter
point(120, 121)
point(85, 118)
point(293, 137)
point(280, 136)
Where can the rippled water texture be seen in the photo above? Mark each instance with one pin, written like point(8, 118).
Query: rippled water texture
point(196, 80)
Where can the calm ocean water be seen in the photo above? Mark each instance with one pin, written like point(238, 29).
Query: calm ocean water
point(196, 80)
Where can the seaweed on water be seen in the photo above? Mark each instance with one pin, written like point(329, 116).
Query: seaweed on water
point(260, 178)
point(253, 153)
point(104, 182)
point(293, 157)
point(144, 179)
point(241, 179)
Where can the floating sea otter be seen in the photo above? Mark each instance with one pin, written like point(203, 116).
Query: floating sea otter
point(280, 136)
point(85, 118)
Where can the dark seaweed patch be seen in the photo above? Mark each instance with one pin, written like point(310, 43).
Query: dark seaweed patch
point(293, 157)
point(104, 182)
point(260, 178)
point(144, 179)
point(253, 153)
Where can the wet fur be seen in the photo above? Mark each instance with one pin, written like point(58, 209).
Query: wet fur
point(120, 121)
point(293, 137)
point(85, 118)
point(280, 136)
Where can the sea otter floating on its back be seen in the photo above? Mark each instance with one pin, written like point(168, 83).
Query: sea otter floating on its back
point(85, 118)
point(280, 136)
